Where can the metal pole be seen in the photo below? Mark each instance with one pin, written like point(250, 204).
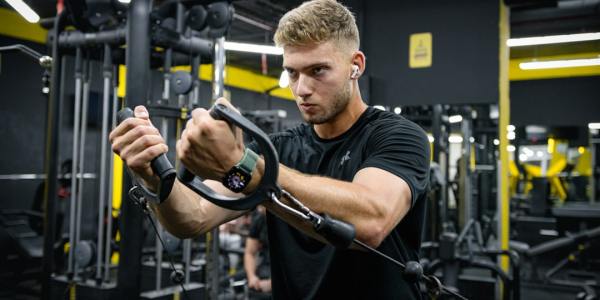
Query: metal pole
point(107, 74)
point(84, 113)
point(212, 241)
point(137, 89)
point(158, 245)
point(187, 254)
point(50, 160)
point(439, 156)
point(76, 123)
point(109, 204)
point(218, 68)
point(466, 159)
point(195, 95)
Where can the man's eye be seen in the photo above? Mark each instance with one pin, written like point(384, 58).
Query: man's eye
point(318, 71)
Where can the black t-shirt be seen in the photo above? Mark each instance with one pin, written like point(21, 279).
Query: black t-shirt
point(258, 231)
point(304, 268)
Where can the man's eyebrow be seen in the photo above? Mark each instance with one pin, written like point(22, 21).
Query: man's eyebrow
point(317, 64)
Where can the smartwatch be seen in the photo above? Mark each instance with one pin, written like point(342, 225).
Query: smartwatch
point(239, 176)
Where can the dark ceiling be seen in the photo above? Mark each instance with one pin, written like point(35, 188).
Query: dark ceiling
point(255, 21)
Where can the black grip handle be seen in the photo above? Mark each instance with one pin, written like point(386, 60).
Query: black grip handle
point(336, 232)
point(160, 165)
point(268, 183)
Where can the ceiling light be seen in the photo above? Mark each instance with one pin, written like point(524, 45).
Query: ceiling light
point(380, 107)
point(397, 110)
point(284, 79)
point(555, 64)
point(125, 1)
point(553, 39)
point(254, 48)
point(455, 139)
point(511, 148)
point(455, 119)
point(511, 135)
point(430, 138)
point(24, 10)
point(523, 157)
point(594, 125)
point(496, 142)
point(511, 128)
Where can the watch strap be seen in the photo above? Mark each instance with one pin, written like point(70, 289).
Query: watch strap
point(248, 161)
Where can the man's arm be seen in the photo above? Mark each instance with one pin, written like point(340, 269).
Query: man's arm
point(185, 214)
point(250, 251)
point(374, 202)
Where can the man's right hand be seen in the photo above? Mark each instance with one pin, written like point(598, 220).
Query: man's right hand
point(138, 142)
point(254, 282)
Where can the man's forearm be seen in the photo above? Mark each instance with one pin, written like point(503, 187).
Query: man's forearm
point(342, 200)
point(185, 214)
point(250, 265)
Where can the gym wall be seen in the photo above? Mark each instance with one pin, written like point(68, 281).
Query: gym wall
point(23, 113)
point(555, 102)
point(465, 48)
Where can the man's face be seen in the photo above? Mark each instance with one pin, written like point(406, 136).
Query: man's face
point(319, 79)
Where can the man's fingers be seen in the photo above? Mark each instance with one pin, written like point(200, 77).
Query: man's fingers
point(141, 112)
point(132, 135)
point(141, 144)
point(198, 114)
point(142, 159)
point(226, 102)
point(126, 126)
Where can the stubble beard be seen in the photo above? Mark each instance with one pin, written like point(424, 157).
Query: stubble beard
point(331, 110)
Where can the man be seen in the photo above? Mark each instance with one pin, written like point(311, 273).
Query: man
point(256, 256)
point(358, 164)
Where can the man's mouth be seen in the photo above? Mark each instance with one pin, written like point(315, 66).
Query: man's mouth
point(307, 107)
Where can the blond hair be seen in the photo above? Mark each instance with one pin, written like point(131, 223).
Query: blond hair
point(318, 21)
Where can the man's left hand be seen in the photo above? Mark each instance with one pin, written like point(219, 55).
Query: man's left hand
point(208, 147)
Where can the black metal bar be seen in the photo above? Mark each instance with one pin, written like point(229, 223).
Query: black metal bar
point(436, 128)
point(18, 47)
point(137, 86)
point(75, 38)
point(51, 165)
point(190, 45)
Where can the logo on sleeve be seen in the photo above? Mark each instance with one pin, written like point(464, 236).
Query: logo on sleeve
point(345, 158)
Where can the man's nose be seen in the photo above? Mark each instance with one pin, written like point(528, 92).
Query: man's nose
point(303, 86)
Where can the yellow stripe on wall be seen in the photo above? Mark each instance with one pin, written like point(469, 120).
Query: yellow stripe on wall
point(234, 77)
point(245, 79)
point(13, 25)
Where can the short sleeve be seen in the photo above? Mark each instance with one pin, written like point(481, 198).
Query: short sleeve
point(401, 147)
point(256, 227)
point(254, 231)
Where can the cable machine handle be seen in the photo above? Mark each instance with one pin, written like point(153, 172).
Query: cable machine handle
point(161, 165)
point(268, 184)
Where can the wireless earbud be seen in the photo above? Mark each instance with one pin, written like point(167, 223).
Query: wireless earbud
point(355, 72)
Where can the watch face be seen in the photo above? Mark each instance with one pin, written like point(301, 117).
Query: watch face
point(236, 180)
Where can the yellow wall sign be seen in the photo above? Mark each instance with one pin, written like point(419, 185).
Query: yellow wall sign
point(420, 50)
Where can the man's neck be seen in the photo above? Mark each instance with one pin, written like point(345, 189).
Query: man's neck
point(343, 121)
